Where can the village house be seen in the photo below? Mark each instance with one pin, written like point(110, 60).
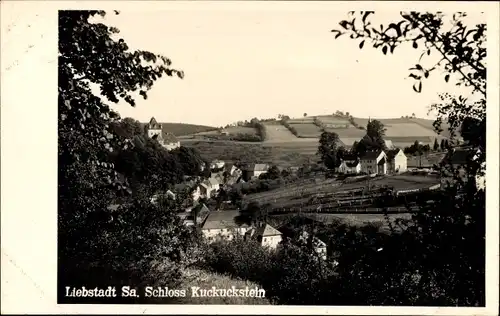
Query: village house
point(397, 162)
point(458, 159)
point(194, 214)
point(217, 164)
point(388, 144)
point(223, 225)
point(374, 162)
point(318, 245)
point(167, 140)
point(267, 236)
point(226, 225)
point(350, 164)
point(253, 171)
point(209, 187)
point(188, 186)
point(167, 195)
point(230, 168)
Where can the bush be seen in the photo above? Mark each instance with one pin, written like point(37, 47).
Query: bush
point(319, 124)
point(290, 128)
point(245, 137)
point(136, 245)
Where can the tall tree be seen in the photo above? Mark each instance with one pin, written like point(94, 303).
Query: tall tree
point(327, 149)
point(87, 178)
point(460, 46)
point(436, 145)
point(461, 51)
point(376, 131)
point(473, 131)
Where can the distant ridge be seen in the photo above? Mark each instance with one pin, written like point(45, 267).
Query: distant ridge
point(183, 129)
point(410, 127)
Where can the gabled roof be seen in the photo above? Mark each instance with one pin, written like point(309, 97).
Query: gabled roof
point(204, 209)
point(153, 124)
point(371, 155)
point(352, 164)
point(169, 138)
point(223, 219)
point(350, 157)
point(260, 167)
point(392, 153)
point(228, 166)
point(388, 143)
point(210, 182)
point(268, 230)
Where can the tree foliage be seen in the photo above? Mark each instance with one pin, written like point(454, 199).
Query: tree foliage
point(447, 235)
point(327, 149)
point(461, 51)
point(96, 245)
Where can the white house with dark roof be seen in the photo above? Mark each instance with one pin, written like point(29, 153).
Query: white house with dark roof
point(197, 213)
point(397, 162)
point(217, 164)
point(154, 128)
point(167, 140)
point(209, 187)
point(256, 169)
point(350, 165)
point(268, 236)
point(223, 225)
point(318, 245)
point(230, 168)
point(374, 162)
point(189, 186)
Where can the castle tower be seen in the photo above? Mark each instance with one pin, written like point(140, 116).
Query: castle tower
point(154, 128)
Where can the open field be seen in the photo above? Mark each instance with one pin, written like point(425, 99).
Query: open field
point(278, 133)
point(425, 161)
point(283, 153)
point(332, 119)
point(240, 130)
point(247, 152)
point(349, 219)
point(429, 125)
point(233, 130)
point(300, 194)
point(307, 130)
point(408, 130)
point(301, 120)
point(350, 132)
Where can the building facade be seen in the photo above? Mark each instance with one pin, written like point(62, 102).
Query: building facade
point(167, 140)
point(268, 236)
point(374, 162)
point(397, 162)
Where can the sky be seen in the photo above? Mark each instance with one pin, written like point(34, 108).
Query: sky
point(259, 60)
point(242, 63)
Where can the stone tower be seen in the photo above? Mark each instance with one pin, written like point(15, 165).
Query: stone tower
point(154, 128)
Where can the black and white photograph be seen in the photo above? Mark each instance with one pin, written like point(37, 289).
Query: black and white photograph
point(271, 153)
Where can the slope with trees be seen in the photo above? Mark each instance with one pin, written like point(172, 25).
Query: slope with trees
point(136, 243)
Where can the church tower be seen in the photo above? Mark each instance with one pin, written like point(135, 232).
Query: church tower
point(154, 128)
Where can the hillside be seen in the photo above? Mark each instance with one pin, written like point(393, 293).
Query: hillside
point(183, 129)
point(404, 129)
point(287, 148)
